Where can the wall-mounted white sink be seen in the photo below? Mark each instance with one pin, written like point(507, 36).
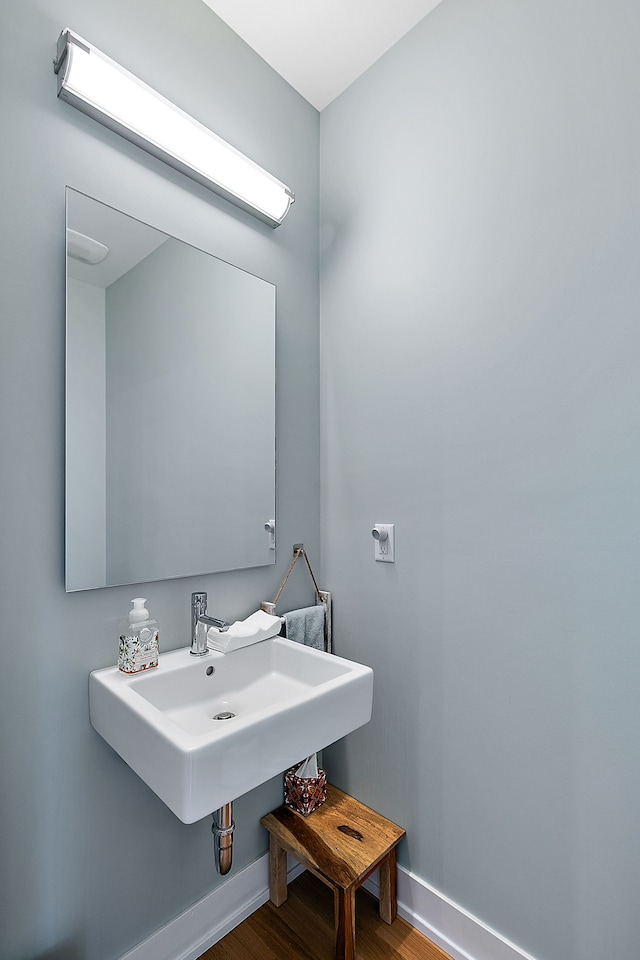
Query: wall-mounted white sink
point(288, 701)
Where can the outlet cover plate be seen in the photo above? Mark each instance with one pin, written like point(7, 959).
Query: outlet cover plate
point(385, 550)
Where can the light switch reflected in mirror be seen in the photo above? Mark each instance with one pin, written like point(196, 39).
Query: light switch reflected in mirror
point(170, 408)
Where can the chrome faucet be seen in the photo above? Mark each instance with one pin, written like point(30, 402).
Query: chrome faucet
point(199, 615)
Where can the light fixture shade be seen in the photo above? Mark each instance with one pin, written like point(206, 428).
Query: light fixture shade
point(104, 90)
point(84, 248)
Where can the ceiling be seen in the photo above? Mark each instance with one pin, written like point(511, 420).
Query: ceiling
point(320, 48)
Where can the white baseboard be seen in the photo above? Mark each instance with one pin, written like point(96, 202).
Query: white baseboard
point(212, 918)
point(448, 925)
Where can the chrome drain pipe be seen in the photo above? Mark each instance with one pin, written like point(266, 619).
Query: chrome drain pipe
point(222, 830)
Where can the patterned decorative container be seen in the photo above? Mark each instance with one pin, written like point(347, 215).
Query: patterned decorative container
point(304, 794)
point(136, 653)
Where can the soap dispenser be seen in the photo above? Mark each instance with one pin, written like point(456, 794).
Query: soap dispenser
point(138, 648)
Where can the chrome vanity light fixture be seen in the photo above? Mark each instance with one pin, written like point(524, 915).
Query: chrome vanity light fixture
point(101, 88)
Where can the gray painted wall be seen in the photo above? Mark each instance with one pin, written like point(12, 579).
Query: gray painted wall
point(92, 862)
point(480, 388)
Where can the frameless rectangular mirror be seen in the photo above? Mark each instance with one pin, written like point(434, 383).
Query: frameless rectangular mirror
point(170, 405)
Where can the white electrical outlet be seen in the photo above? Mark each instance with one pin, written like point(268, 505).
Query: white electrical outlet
point(384, 548)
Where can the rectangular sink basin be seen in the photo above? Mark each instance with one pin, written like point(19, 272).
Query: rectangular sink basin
point(201, 731)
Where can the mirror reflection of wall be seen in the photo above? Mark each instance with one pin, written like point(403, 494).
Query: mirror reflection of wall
point(170, 442)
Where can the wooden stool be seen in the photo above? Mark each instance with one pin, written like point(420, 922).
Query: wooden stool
point(341, 843)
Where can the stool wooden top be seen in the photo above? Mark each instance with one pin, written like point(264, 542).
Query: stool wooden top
point(343, 840)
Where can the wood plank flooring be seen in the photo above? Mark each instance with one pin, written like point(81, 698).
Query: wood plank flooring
point(302, 929)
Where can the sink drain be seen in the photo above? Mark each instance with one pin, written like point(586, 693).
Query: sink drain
point(225, 715)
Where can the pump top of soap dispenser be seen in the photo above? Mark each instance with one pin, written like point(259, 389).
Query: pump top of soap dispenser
point(139, 612)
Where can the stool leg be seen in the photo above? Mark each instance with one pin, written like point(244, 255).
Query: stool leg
point(388, 887)
point(345, 901)
point(277, 872)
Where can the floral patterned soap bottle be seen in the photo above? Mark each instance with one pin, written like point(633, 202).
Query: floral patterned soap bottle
point(138, 649)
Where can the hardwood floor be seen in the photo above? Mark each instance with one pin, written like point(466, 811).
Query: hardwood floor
point(302, 929)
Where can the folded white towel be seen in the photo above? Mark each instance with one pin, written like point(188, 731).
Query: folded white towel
point(259, 626)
